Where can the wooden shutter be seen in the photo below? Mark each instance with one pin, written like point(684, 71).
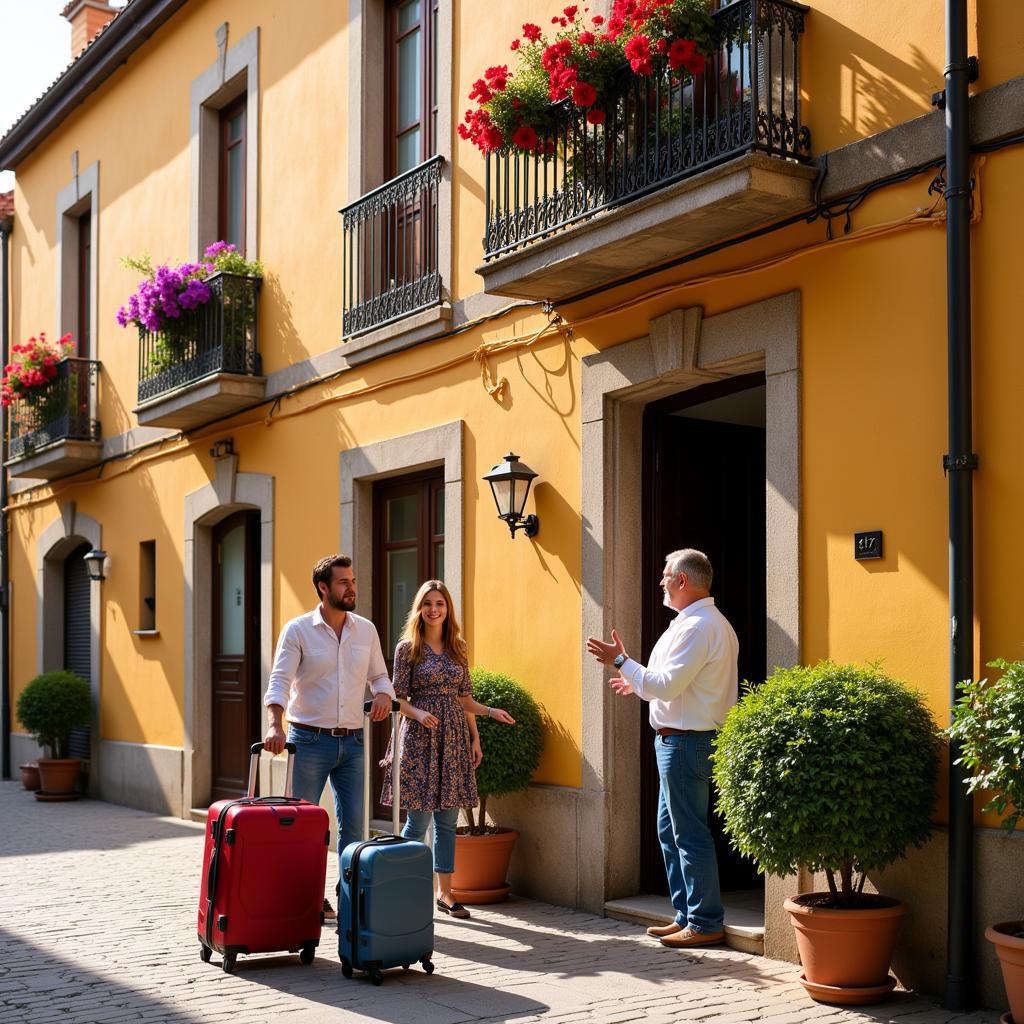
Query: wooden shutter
point(77, 633)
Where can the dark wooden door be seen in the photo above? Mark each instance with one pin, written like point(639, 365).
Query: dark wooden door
point(704, 488)
point(408, 544)
point(236, 714)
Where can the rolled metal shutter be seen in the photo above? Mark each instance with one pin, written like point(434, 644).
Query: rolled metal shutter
point(78, 641)
point(77, 633)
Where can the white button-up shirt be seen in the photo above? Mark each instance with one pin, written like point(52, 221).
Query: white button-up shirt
point(693, 678)
point(321, 680)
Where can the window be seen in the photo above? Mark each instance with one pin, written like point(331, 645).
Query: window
point(147, 586)
point(412, 85)
point(231, 201)
point(84, 285)
point(408, 548)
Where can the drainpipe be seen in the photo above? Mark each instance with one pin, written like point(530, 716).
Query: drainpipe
point(959, 464)
point(6, 224)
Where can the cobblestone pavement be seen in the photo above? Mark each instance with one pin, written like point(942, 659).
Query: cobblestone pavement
point(99, 925)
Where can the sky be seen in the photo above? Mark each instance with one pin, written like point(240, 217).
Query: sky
point(36, 49)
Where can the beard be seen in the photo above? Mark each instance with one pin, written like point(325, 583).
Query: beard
point(341, 604)
point(667, 601)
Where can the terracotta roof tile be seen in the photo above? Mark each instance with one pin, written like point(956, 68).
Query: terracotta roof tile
point(117, 14)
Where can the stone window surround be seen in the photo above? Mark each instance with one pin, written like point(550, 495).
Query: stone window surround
point(681, 351)
point(236, 71)
point(230, 491)
point(597, 855)
point(396, 456)
point(366, 120)
point(80, 194)
point(70, 529)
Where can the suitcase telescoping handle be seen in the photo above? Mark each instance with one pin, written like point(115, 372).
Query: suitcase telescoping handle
point(396, 773)
point(254, 760)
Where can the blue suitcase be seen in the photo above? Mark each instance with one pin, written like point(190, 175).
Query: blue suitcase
point(386, 906)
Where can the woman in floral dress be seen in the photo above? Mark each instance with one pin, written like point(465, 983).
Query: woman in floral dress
point(440, 743)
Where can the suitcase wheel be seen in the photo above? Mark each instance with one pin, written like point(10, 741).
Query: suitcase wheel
point(428, 966)
point(346, 968)
point(307, 954)
point(376, 976)
point(229, 962)
point(205, 953)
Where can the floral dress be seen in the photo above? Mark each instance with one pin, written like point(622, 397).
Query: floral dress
point(437, 766)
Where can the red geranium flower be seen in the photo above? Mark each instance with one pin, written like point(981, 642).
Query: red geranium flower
point(531, 31)
point(584, 94)
point(525, 138)
point(515, 44)
point(595, 116)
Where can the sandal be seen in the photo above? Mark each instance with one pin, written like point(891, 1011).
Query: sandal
point(455, 909)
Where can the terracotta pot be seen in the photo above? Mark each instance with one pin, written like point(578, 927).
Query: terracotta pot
point(30, 776)
point(1010, 950)
point(846, 953)
point(59, 774)
point(481, 864)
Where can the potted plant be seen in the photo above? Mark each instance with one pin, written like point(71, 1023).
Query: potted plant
point(165, 302)
point(50, 707)
point(832, 768)
point(511, 756)
point(988, 722)
point(30, 776)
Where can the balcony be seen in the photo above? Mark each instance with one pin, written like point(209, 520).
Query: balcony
point(205, 364)
point(54, 430)
point(674, 167)
point(390, 272)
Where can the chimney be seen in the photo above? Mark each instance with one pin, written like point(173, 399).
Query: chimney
point(87, 18)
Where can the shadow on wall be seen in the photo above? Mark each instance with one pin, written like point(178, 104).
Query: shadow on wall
point(875, 90)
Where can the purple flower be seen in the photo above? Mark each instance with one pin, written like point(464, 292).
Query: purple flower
point(214, 250)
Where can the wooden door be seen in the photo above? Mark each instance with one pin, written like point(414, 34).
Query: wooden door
point(236, 711)
point(704, 487)
point(408, 545)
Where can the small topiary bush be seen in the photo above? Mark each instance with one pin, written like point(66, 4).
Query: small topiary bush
point(511, 752)
point(51, 706)
point(830, 766)
point(988, 722)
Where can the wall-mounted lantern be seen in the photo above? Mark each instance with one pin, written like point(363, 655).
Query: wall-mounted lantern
point(94, 562)
point(510, 484)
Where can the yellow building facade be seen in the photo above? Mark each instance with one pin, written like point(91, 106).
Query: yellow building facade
point(701, 360)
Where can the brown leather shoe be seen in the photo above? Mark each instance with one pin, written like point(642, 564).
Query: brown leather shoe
point(687, 938)
point(658, 931)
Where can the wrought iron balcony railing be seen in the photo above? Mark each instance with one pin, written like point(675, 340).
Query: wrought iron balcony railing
point(390, 237)
point(658, 130)
point(216, 337)
point(62, 409)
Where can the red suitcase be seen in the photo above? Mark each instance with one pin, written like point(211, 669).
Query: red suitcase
point(264, 866)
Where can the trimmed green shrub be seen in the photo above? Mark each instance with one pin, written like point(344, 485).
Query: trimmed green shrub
point(51, 706)
point(511, 752)
point(832, 767)
point(988, 722)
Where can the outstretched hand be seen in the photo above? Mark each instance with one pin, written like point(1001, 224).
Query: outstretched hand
point(501, 715)
point(620, 686)
point(605, 653)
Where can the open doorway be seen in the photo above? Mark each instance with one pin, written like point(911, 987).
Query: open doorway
point(704, 487)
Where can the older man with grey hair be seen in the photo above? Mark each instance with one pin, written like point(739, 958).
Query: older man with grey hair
point(690, 683)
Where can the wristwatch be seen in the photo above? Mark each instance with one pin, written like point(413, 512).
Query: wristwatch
point(620, 660)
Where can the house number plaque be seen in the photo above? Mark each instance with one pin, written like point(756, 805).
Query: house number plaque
point(867, 545)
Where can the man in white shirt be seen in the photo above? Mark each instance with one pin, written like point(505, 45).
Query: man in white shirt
point(690, 683)
point(324, 662)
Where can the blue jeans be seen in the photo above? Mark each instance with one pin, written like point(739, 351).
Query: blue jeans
point(445, 821)
point(319, 757)
point(684, 766)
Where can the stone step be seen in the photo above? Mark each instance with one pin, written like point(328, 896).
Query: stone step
point(744, 916)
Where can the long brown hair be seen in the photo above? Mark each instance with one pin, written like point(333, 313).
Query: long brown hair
point(451, 634)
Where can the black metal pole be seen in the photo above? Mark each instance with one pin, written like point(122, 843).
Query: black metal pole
point(6, 223)
point(960, 464)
